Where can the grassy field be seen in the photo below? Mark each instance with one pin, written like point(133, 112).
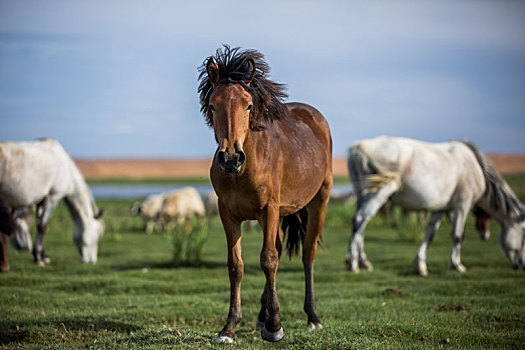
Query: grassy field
point(134, 298)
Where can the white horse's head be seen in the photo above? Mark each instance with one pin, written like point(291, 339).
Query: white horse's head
point(86, 238)
point(512, 240)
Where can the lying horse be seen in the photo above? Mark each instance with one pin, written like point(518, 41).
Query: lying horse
point(441, 178)
point(42, 172)
point(150, 211)
point(273, 160)
point(181, 207)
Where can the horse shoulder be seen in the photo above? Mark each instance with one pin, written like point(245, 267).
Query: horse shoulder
point(472, 178)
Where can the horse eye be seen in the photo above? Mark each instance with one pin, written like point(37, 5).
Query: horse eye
point(211, 108)
point(249, 108)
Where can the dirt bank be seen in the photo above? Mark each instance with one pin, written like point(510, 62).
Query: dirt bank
point(181, 168)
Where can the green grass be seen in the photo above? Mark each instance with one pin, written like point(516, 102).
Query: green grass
point(135, 298)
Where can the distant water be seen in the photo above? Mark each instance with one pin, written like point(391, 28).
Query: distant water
point(140, 191)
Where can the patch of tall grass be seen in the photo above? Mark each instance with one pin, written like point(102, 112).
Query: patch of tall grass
point(187, 244)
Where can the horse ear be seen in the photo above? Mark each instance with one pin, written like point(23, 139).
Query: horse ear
point(251, 61)
point(99, 214)
point(213, 71)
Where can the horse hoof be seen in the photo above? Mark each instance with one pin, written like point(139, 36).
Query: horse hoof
point(422, 273)
point(459, 267)
point(367, 265)
point(224, 339)
point(354, 269)
point(47, 260)
point(272, 336)
point(314, 325)
point(41, 263)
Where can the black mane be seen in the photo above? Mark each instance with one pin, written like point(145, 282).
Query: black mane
point(235, 67)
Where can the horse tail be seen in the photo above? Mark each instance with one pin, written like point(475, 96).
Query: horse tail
point(498, 193)
point(368, 175)
point(295, 224)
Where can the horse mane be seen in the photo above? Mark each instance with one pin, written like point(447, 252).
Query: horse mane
point(498, 193)
point(236, 67)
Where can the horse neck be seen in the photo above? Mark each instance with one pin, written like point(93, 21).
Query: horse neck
point(500, 213)
point(80, 203)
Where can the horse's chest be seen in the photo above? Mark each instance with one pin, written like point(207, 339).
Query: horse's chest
point(244, 203)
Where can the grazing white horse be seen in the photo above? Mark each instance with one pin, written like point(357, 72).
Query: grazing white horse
point(41, 172)
point(442, 178)
point(21, 239)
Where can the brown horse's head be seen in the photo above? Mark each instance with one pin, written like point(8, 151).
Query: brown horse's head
point(482, 222)
point(230, 105)
point(236, 98)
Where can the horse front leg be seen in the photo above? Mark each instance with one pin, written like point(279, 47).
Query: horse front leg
point(314, 229)
point(458, 218)
point(4, 258)
point(420, 259)
point(272, 330)
point(232, 229)
point(44, 210)
point(263, 314)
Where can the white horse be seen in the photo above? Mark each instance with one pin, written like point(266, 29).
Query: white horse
point(443, 178)
point(41, 172)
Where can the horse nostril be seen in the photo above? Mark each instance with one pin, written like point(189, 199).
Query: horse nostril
point(221, 158)
point(242, 156)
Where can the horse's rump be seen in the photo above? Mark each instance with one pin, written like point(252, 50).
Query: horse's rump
point(367, 174)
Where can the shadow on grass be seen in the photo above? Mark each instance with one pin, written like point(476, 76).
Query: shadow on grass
point(249, 269)
point(169, 265)
point(17, 331)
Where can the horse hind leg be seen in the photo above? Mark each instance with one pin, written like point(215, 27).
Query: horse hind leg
point(367, 207)
point(316, 219)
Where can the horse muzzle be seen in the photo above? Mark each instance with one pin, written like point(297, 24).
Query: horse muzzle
point(231, 162)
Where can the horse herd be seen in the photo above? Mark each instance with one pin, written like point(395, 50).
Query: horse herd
point(273, 164)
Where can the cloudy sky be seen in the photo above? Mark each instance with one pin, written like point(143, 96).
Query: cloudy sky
point(119, 78)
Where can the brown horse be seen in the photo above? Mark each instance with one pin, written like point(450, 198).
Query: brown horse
point(7, 227)
point(273, 160)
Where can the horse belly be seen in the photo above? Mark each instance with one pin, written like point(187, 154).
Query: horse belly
point(421, 197)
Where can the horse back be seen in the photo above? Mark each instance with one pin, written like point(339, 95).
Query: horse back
point(29, 171)
point(306, 147)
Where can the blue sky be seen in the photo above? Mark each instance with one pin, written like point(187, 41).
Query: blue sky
point(119, 78)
